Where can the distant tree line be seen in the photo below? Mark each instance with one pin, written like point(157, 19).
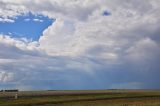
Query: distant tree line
point(10, 90)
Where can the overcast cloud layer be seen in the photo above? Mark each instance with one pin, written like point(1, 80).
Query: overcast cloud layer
point(84, 48)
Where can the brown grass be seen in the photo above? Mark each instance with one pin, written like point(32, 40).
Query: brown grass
point(147, 101)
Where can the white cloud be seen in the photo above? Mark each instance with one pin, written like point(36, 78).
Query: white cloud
point(97, 29)
point(37, 20)
point(21, 43)
point(6, 20)
point(5, 77)
point(143, 50)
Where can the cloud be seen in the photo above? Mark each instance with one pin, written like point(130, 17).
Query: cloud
point(6, 20)
point(37, 20)
point(9, 11)
point(22, 67)
point(83, 48)
point(5, 77)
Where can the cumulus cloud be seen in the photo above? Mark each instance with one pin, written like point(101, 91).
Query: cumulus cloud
point(83, 47)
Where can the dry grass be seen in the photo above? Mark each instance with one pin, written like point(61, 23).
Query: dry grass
point(150, 101)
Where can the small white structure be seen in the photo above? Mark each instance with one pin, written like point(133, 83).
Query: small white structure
point(16, 96)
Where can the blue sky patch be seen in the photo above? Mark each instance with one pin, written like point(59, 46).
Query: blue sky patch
point(106, 13)
point(28, 25)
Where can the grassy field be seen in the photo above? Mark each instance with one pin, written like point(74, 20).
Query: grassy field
point(82, 98)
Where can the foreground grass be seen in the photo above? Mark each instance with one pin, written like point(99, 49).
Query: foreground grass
point(148, 101)
point(102, 98)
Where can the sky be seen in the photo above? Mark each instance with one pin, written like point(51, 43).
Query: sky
point(26, 25)
point(79, 44)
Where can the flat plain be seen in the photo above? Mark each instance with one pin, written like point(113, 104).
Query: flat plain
point(82, 98)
